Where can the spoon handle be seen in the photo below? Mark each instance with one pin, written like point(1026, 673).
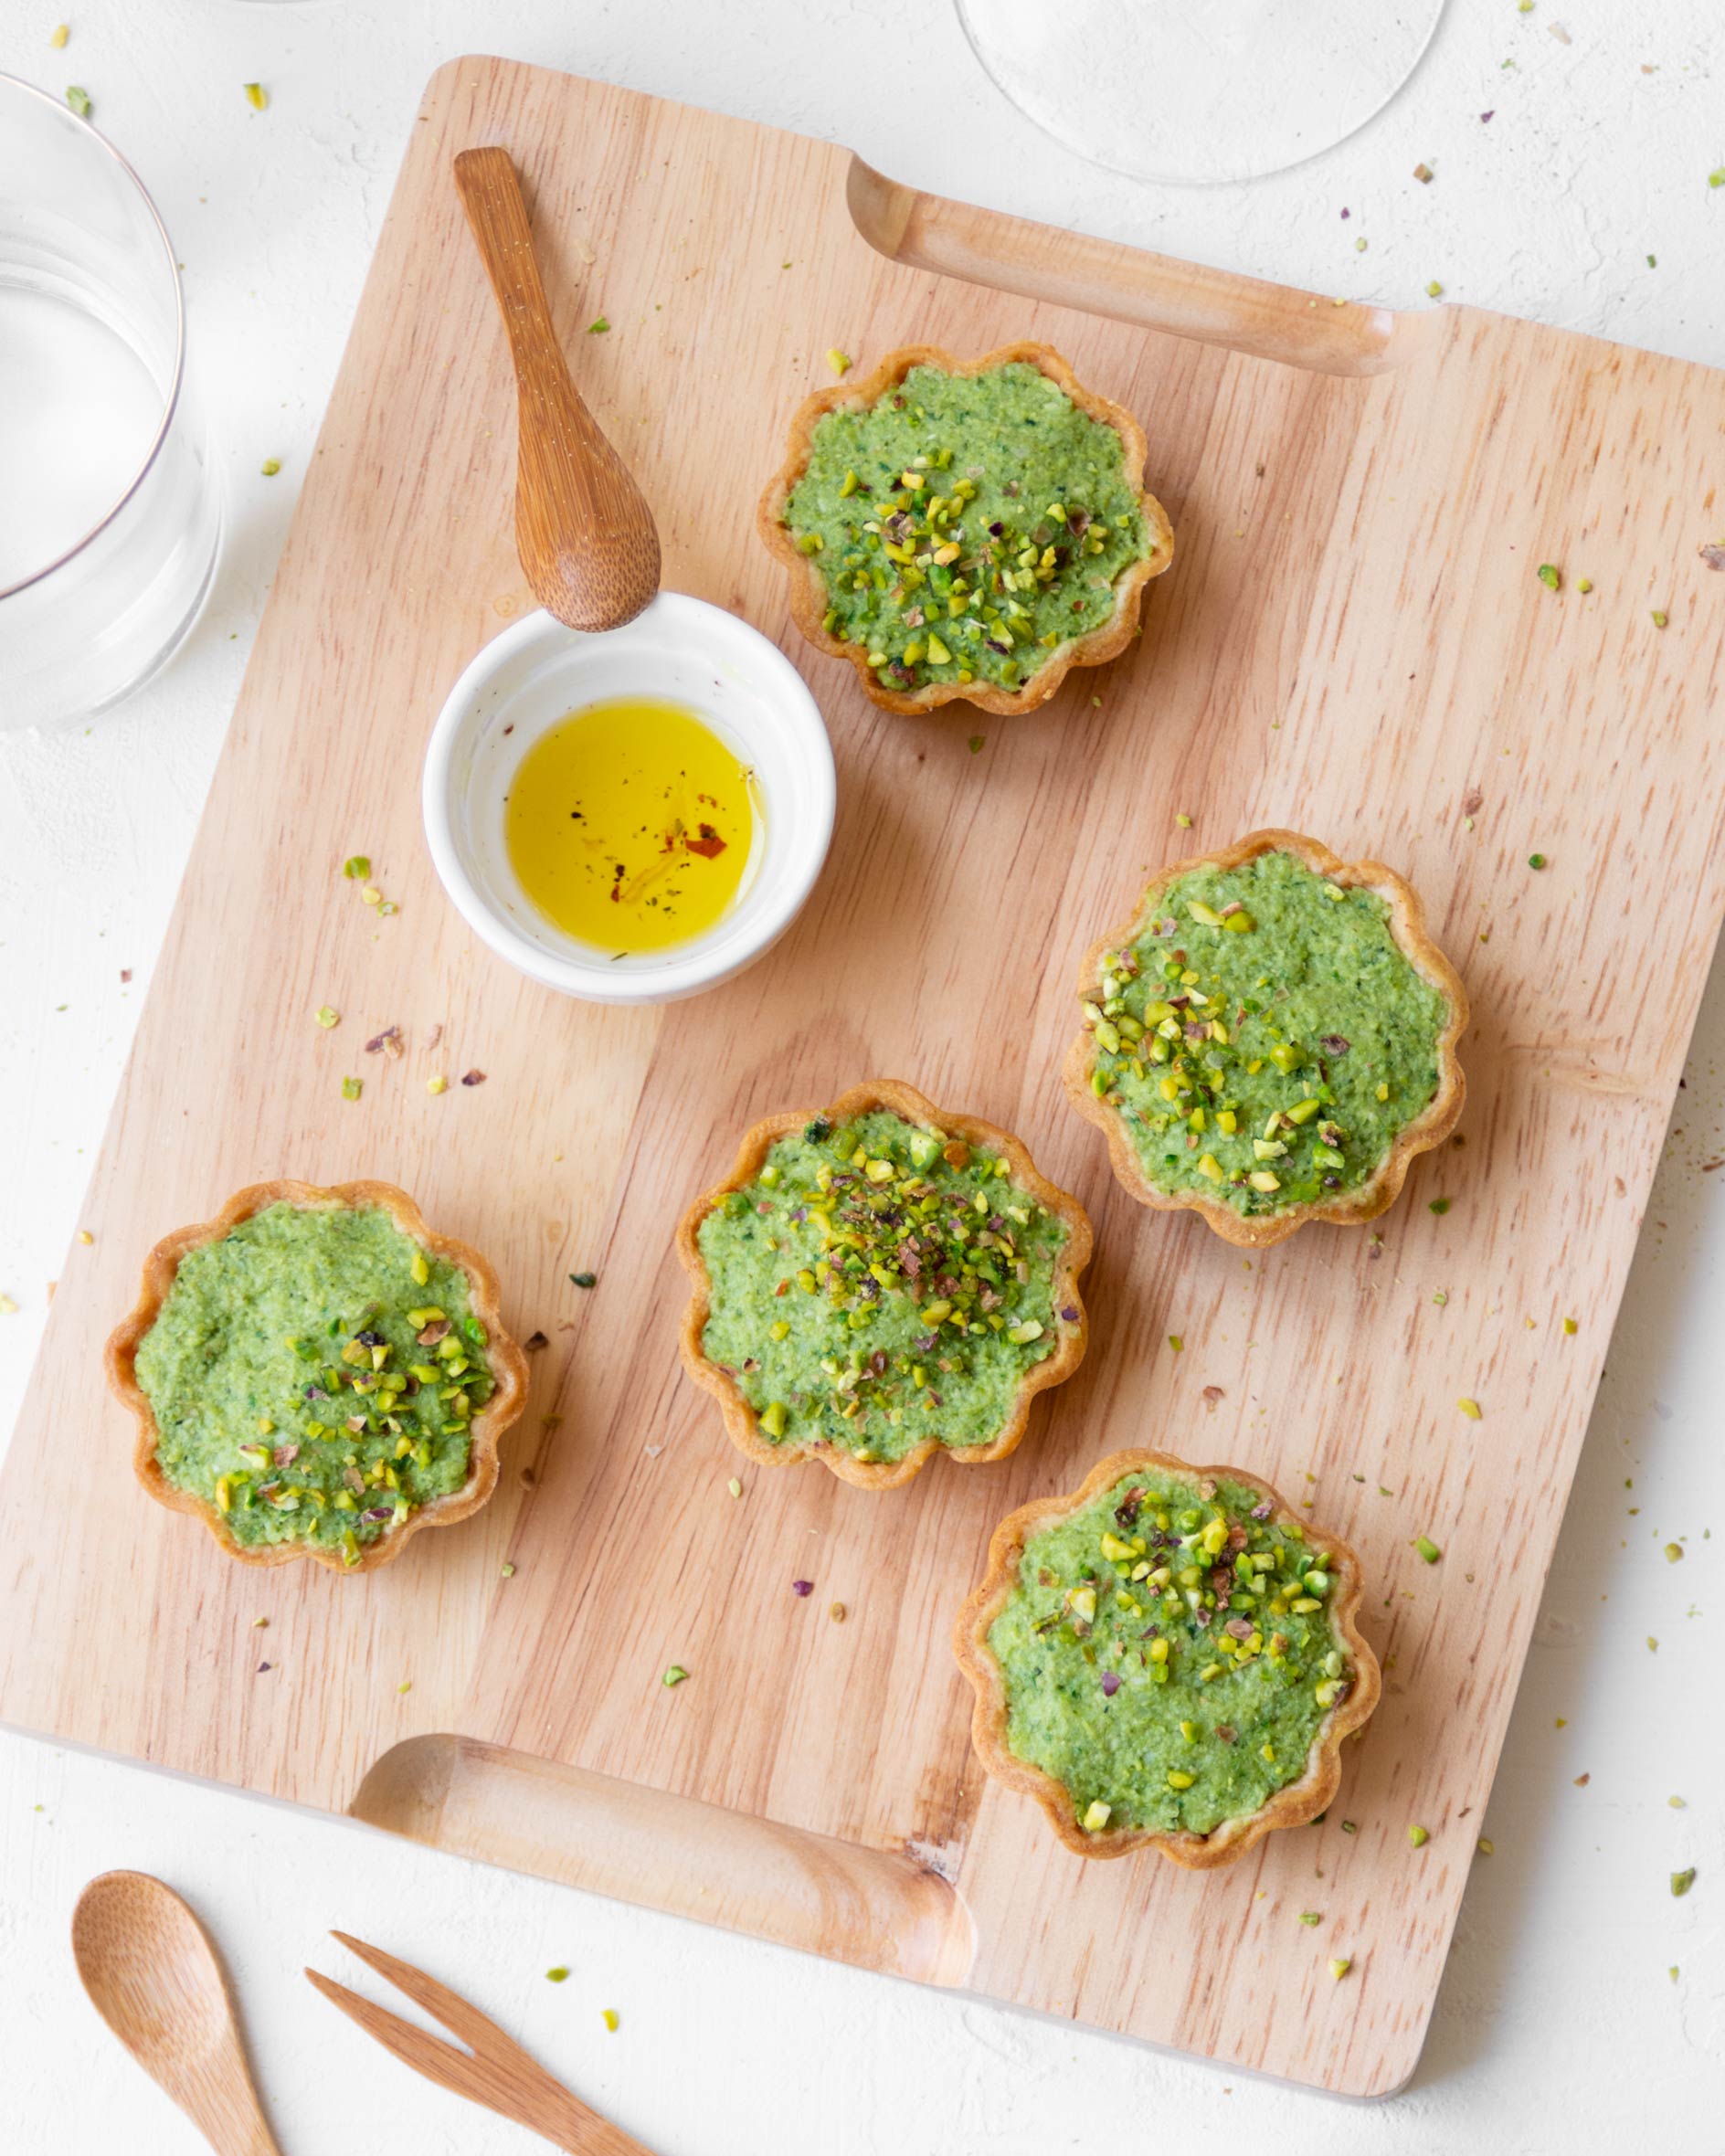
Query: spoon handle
point(573, 492)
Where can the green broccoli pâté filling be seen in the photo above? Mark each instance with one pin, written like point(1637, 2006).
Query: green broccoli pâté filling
point(966, 525)
point(1168, 1655)
point(879, 1284)
point(1264, 1037)
point(314, 1375)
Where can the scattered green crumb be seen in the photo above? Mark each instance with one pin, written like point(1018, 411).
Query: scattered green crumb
point(976, 741)
point(1653, 1644)
point(1682, 1881)
point(1485, 1847)
point(1439, 1206)
point(1714, 179)
point(1672, 1972)
point(598, 326)
point(1360, 244)
point(675, 1675)
point(1676, 1803)
point(1536, 860)
point(1470, 1408)
point(327, 1016)
point(1175, 1342)
point(1571, 1326)
point(257, 96)
point(1583, 584)
point(1550, 575)
point(1652, 261)
point(78, 100)
point(1310, 1917)
point(1428, 1549)
point(607, 2014)
point(509, 1572)
point(437, 1084)
point(585, 1279)
point(840, 362)
point(1418, 1837)
point(270, 466)
point(1340, 1967)
point(356, 868)
point(1435, 291)
point(1441, 1298)
point(734, 1486)
point(1348, 1827)
point(1660, 618)
point(1673, 1552)
point(405, 1686)
point(57, 36)
point(559, 1975)
point(351, 1088)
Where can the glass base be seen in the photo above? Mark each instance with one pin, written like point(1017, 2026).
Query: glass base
point(1200, 91)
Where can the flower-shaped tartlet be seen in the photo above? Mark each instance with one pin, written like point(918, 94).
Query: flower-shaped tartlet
point(315, 1374)
point(966, 529)
point(1165, 1659)
point(880, 1283)
point(1271, 1038)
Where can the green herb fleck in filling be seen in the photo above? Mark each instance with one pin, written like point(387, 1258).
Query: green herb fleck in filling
point(1168, 1654)
point(1265, 1039)
point(967, 526)
point(314, 1376)
point(880, 1284)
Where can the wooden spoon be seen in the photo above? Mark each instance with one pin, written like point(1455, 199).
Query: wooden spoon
point(583, 528)
point(153, 1974)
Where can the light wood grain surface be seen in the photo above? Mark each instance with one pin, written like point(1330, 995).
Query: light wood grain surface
point(1353, 642)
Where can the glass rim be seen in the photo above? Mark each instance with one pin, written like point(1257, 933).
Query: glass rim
point(17, 82)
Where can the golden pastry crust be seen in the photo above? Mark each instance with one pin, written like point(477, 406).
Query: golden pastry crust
point(1429, 1129)
point(508, 1367)
point(743, 1424)
point(807, 587)
point(1292, 1805)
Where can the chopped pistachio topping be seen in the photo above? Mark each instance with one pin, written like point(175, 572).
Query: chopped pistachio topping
point(1550, 575)
point(1167, 1653)
point(557, 1975)
point(1470, 1408)
point(608, 2016)
point(1428, 1549)
point(1263, 1038)
point(879, 1284)
point(270, 466)
point(598, 326)
point(966, 526)
point(675, 1675)
point(257, 96)
point(57, 36)
point(315, 1375)
point(78, 100)
point(351, 1088)
point(1340, 1967)
point(1682, 1881)
point(327, 1017)
point(840, 362)
point(1418, 1837)
point(356, 868)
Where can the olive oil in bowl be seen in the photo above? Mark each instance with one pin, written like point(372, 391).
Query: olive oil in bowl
point(631, 826)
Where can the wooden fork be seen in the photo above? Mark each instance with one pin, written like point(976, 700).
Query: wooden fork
point(496, 2071)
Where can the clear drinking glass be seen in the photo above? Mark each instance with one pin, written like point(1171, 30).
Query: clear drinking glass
point(1200, 91)
point(110, 510)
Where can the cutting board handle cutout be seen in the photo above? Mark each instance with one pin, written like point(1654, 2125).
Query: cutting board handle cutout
point(874, 1908)
point(1244, 315)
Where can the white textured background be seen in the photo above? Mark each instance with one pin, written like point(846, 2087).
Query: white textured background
point(1559, 2026)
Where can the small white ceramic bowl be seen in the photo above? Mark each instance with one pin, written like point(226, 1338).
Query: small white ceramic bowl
point(538, 672)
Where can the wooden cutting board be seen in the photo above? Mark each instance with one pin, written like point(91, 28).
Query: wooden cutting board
point(1353, 641)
